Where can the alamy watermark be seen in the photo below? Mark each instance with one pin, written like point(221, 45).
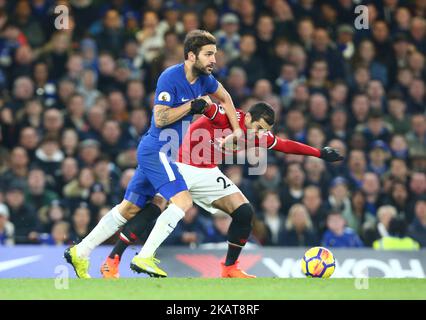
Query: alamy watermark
point(62, 21)
point(361, 21)
point(361, 281)
point(62, 278)
point(203, 147)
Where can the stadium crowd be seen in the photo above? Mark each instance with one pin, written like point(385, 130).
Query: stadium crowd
point(75, 102)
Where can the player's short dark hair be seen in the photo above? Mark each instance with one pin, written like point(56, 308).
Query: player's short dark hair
point(195, 40)
point(262, 110)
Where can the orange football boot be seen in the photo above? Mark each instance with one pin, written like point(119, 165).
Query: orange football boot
point(109, 268)
point(233, 271)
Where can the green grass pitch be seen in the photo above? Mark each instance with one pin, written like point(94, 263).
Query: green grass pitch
point(214, 289)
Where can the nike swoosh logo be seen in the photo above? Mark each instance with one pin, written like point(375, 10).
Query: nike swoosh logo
point(6, 265)
point(184, 100)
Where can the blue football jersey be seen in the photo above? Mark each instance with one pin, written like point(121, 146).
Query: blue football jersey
point(173, 90)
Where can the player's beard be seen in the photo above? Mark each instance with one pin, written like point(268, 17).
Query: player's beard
point(198, 69)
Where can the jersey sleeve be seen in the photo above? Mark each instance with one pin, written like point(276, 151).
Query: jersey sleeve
point(211, 84)
point(290, 146)
point(216, 114)
point(165, 93)
point(211, 111)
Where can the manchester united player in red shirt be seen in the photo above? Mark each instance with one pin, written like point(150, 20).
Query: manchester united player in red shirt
point(200, 153)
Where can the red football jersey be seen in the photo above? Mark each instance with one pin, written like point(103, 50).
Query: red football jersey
point(200, 146)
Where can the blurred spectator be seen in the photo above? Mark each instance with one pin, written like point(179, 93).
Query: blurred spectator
point(380, 228)
point(236, 83)
point(81, 220)
point(38, 194)
point(365, 55)
point(399, 146)
point(50, 214)
point(270, 180)
point(150, 38)
point(111, 138)
point(376, 128)
point(416, 137)
point(49, 155)
point(360, 216)
point(322, 48)
point(29, 139)
point(294, 181)
point(22, 215)
point(247, 59)
point(397, 238)
point(318, 109)
point(286, 83)
point(417, 229)
point(271, 217)
point(228, 38)
point(399, 198)
point(69, 142)
point(357, 167)
point(218, 232)
point(79, 188)
point(378, 156)
point(298, 228)
point(59, 235)
point(316, 209)
point(338, 125)
point(397, 114)
point(296, 125)
point(338, 199)
point(111, 37)
point(371, 187)
point(318, 75)
point(265, 29)
point(17, 168)
point(53, 122)
point(28, 24)
point(337, 234)
point(7, 229)
point(87, 88)
point(316, 173)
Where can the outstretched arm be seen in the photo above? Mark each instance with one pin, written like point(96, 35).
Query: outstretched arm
point(294, 147)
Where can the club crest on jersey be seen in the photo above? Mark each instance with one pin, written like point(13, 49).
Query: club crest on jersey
point(164, 96)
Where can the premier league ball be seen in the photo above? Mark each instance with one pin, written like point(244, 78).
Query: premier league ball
point(318, 262)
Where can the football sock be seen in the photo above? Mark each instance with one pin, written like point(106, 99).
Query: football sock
point(238, 232)
point(134, 229)
point(106, 227)
point(165, 225)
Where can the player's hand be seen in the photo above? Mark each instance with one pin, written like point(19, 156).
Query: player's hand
point(198, 106)
point(330, 154)
point(229, 143)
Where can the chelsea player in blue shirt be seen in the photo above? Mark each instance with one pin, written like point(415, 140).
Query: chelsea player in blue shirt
point(179, 95)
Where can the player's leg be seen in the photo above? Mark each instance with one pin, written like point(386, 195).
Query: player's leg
point(214, 191)
point(242, 213)
point(166, 223)
point(133, 201)
point(132, 231)
point(167, 180)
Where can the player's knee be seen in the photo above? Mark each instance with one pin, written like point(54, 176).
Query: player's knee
point(127, 209)
point(243, 215)
point(183, 200)
point(160, 202)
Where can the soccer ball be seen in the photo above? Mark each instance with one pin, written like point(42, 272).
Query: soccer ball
point(318, 262)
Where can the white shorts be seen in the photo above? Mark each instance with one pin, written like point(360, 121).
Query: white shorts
point(207, 185)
